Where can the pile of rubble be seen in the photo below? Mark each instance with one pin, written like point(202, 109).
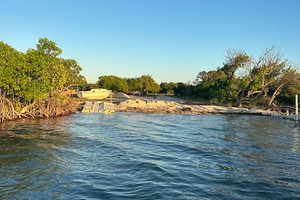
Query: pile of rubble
point(159, 106)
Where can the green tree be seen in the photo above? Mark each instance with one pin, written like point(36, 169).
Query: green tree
point(30, 76)
point(36, 78)
point(181, 89)
point(44, 74)
point(48, 47)
point(12, 70)
point(168, 88)
point(242, 79)
point(267, 77)
point(134, 84)
point(73, 70)
point(112, 83)
point(148, 84)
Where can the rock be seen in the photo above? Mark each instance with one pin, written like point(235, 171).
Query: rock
point(121, 95)
point(98, 107)
point(161, 106)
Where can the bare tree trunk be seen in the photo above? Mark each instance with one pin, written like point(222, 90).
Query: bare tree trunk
point(275, 94)
point(239, 102)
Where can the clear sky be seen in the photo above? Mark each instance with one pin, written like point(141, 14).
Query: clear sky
point(172, 40)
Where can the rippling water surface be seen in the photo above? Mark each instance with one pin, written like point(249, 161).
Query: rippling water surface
point(150, 156)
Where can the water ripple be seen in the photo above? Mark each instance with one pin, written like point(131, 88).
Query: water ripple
point(150, 156)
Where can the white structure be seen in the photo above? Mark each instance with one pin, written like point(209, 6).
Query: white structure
point(95, 94)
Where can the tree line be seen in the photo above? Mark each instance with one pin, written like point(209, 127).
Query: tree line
point(267, 81)
point(144, 84)
point(242, 81)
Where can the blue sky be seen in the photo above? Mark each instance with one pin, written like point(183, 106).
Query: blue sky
point(172, 40)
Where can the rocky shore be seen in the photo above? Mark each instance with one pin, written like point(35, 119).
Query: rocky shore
point(172, 107)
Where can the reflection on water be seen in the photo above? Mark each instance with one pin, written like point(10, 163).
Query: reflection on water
point(150, 156)
point(29, 161)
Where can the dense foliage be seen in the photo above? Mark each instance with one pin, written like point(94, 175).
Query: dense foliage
point(144, 84)
point(30, 76)
point(31, 82)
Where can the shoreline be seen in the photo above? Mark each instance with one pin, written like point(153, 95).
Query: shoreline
point(161, 107)
point(45, 108)
point(167, 107)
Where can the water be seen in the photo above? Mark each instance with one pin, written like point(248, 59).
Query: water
point(150, 156)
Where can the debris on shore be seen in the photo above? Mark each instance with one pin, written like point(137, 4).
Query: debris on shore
point(172, 107)
point(98, 107)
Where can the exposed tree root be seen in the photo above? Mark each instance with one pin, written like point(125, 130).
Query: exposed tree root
point(50, 106)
